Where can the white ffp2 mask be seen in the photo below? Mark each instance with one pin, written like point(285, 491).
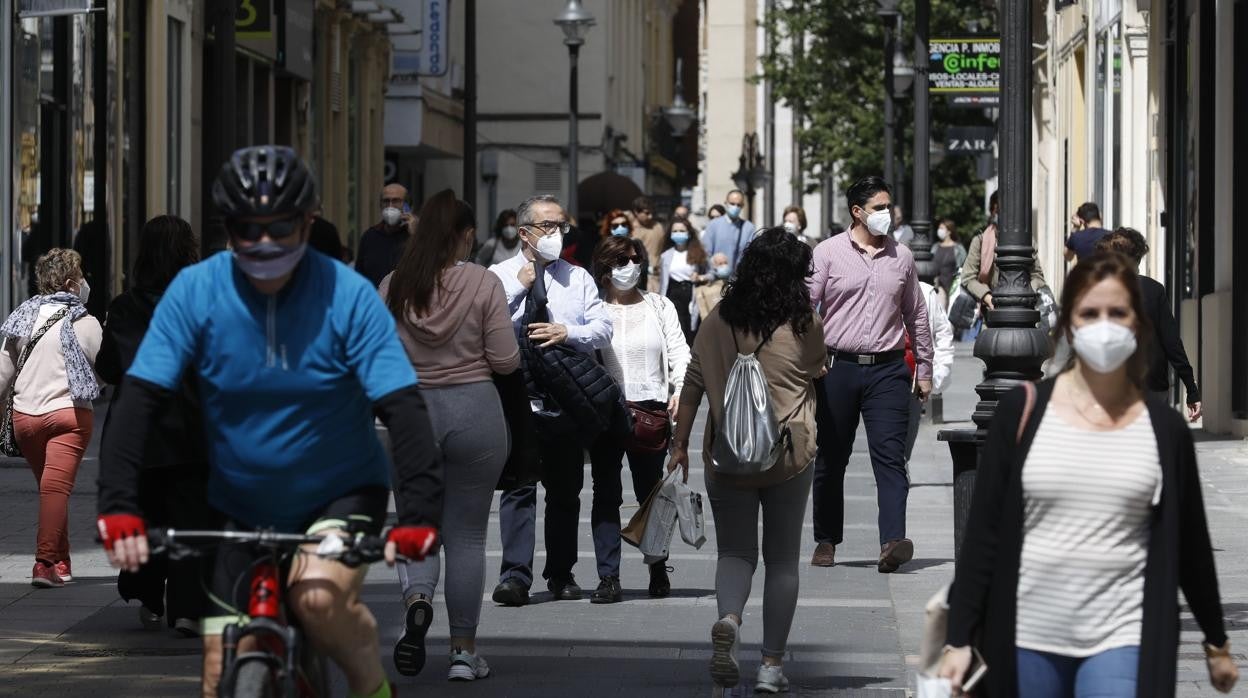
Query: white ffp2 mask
point(548, 247)
point(625, 278)
point(1103, 345)
point(880, 222)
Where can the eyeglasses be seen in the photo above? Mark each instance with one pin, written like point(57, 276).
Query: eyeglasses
point(549, 227)
point(281, 228)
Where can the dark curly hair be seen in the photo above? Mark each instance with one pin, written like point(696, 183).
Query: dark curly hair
point(769, 286)
point(166, 245)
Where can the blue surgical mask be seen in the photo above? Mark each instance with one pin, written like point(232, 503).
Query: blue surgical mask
point(680, 238)
point(722, 272)
point(265, 261)
point(734, 211)
point(620, 231)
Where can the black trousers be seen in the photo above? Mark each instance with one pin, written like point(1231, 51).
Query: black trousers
point(607, 457)
point(563, 477)
point(680, 293)
point(882, 396)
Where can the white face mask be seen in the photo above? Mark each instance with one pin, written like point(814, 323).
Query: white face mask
point(1103, 345)
point(509, 232)
point(84, 290)
point(942, 233)
point(790, 227)
point(879, 222)
point(391, 215)
point(625, 278)
point(548, 247)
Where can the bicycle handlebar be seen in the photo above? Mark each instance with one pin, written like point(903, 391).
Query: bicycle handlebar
point(350, 551)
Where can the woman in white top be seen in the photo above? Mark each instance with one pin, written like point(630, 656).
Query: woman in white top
point(47, 374)
point(682, 267)
point(647, 357)
point(1086, 522)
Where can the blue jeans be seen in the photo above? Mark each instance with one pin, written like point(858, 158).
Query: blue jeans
point(1110, 674)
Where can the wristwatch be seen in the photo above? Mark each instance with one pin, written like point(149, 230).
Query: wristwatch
point(1211, 651)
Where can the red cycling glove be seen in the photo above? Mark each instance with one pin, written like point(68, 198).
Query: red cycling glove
point(413, 542)
point(114, 527)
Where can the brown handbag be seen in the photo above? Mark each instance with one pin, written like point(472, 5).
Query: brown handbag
point(651, 429)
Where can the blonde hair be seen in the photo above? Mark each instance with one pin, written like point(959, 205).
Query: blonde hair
point(57, 267)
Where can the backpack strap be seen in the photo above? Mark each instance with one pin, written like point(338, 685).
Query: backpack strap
point(1028, 407)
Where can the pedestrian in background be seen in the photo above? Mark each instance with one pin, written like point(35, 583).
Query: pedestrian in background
point(452, 319)
point(382, 245)
point(942, 361)
point(647, 357)
point(867, 291)
point(578, 319)
point(765, 310)
point(795, 225)
point(1069, 574)
point(504, 240)
point(1086, 231)
point(47, 372)
point(729, 234)
point(980, 272)
point(682, 267)
point(948, 257)
point(680, 212)
point(650, 231)
point(1167, 348)
point(173, 484)
point(323, 237)
point(902, 232)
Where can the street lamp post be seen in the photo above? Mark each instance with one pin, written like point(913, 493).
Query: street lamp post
point(751, 174)
point(921, 211)
point(1011, 346)
point(575, 21)
point(889, 13)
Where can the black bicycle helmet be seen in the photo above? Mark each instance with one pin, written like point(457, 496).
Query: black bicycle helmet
point(264, 180)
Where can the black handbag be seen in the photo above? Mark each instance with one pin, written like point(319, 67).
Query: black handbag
point(8, 439)
point(579, 398)
point(962, 310)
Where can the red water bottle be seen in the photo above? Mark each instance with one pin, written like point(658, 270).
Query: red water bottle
point(265, 592)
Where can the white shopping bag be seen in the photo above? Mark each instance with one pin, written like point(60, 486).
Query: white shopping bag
point(656, 539)
point(933, 687)
point(689, 515)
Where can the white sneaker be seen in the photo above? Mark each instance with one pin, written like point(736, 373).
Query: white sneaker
point(771, 680)
point(150, 620)
point(724, 640)
point(467, 667)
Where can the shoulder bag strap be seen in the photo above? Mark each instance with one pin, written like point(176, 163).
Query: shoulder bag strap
point(1028, 407)
point(657, 307)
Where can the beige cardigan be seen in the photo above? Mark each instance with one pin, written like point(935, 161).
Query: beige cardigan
point(790, 364)
point(43, 386)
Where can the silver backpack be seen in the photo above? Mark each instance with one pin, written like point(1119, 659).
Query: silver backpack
point(749, 439)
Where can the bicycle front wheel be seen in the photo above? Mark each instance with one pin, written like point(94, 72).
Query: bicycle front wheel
point(255, 679)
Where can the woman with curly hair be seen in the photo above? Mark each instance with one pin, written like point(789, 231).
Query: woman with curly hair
point(765, 310)
point(46, 371)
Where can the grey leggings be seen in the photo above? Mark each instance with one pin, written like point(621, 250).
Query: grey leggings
point(468, 423)
point(736, 531)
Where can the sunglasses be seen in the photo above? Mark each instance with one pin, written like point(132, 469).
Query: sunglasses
point(624, 261)
point(282, 228)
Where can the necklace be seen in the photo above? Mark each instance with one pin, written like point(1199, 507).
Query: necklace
point(1075, 396)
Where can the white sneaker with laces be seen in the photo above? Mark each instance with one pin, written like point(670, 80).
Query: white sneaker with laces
point(724, 640)
point(467, 667)
point(771, 680)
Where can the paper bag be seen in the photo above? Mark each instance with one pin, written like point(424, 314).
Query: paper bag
point(689, 515)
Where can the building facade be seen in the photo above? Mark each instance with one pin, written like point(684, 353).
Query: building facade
point(112, 116)
point(1136, 109)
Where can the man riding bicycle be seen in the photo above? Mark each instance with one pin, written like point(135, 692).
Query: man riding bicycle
point(294, 354)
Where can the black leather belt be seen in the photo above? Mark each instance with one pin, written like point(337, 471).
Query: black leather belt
point(884, 357)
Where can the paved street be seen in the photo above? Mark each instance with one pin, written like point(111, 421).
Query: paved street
point(855, 634)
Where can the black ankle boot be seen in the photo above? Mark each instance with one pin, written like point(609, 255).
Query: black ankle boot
point(608, 591)
point(660, 585)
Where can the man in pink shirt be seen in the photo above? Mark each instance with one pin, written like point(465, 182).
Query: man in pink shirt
point(866, 290)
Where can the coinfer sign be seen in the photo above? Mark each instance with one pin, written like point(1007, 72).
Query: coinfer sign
point(967, 69)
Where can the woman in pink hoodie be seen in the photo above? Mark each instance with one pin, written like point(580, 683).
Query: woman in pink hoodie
point(453, 320)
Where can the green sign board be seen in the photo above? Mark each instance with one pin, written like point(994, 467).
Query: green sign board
point(967, 69)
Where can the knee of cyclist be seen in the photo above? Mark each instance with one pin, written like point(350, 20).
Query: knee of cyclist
point(313, 603)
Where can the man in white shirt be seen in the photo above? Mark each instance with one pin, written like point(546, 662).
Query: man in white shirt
point(577, 318)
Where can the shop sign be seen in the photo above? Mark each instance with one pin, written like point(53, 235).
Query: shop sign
point(431, 58)
point(254, 19)
point(966, 69)
point(295, 38)
point(970, 140)
point(51, 8)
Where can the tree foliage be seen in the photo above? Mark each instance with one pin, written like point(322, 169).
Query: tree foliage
point(836, 82)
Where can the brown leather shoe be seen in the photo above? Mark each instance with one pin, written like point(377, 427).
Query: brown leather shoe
point(825, 555)
point(895, 554)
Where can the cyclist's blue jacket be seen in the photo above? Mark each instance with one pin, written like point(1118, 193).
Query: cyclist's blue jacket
point(287, 383)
